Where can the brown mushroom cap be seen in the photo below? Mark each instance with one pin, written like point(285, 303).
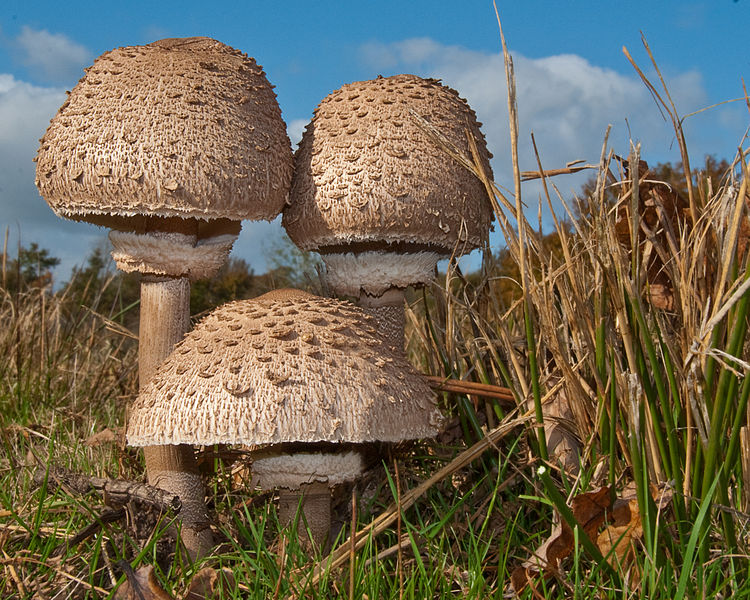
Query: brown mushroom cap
point(178, 128)
point(285, 367)
point(367, 176)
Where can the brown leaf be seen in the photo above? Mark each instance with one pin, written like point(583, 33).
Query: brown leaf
point(589, 509)
point(204, 584)
point(563, 446)
point(141, 585)
point(105, 436)
point(624, 528)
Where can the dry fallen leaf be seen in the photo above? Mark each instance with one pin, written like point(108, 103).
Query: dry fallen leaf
point(624, 528)
point(589, 510)
point(204, 584)
point(141, 585)
point(105, 436)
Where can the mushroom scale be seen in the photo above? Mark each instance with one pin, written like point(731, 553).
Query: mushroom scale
point(180, 127)
point(285, 367)
point(366, 172)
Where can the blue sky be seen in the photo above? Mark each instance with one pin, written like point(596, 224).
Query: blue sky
point(572, 77)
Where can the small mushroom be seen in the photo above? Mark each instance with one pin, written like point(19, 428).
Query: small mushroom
point(313, 414)
point(168, 162)
point(398, 201)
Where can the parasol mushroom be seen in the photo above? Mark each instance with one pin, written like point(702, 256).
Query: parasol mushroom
point(378, 198)
point(308, 377)
point(170, 145)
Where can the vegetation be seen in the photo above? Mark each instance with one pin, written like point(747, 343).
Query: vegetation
point(622, 458)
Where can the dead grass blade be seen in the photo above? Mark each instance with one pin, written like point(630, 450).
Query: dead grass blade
point(569, 170)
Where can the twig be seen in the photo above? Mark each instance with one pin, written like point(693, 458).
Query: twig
point(118, 491)
point(16, 579)
point(108, 516)
point(469, 387)
point(530, 175)
point(404, 542)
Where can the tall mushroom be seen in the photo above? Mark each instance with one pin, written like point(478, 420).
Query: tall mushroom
point(310, 377)
point(376, 195)
point(169, 145)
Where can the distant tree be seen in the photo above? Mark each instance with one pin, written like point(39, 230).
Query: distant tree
point(100, 286)
point(234, 281)
point(32, 267)
point(713, 171)
point(507, 273)
point(292, 267)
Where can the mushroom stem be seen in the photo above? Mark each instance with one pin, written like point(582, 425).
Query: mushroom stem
point(164, 320)
point(388, 311)
point(313, 501)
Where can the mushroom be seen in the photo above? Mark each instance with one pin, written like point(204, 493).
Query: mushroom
point(308, 377)
point(378, 198)
point(169, 145)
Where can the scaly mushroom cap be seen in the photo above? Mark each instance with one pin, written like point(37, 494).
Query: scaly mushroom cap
point(285, 367)
point(367, 176)
point(181, 127)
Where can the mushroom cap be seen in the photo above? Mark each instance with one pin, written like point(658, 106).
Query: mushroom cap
point(178, 128)
point(285, 367)
point(366, 174)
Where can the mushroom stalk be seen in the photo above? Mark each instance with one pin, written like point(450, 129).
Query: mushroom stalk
point(164, 320)
point(388, 311)
point(310, 506)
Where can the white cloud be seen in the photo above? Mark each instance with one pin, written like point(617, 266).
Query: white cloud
point(52, 56)
point(25, 110)
point(295, 129)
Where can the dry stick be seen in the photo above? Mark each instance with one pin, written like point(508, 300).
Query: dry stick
point(531, 175)
point(510, 79)
point(339, 556)
point(404, 542)
point(16, 579)
point(486, 390)
point(399, 555)
point(108, 516)
point(118, 491)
